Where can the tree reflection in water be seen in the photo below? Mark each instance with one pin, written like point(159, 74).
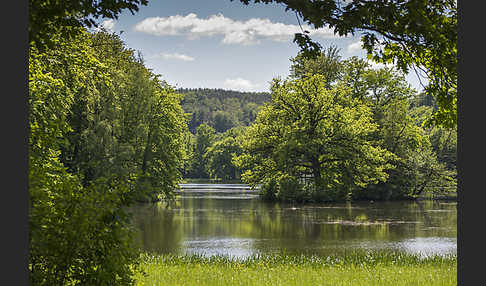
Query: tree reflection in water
point(235, 223)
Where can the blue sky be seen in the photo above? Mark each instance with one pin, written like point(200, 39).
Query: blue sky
point(221, 43)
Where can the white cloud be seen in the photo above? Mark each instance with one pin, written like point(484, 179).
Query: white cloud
point(174, 56)
point(247, 32)
point(239, 84)
point(108, 24)
point(375, 65)
point(354, 47)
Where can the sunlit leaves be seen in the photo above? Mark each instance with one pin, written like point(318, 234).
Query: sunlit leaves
point(104, 132)
point(415, 36)
point(309, 129)
point(51, 20)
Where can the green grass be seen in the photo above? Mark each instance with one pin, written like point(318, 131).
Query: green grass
point(358, 268)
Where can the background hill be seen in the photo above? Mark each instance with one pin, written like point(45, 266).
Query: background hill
point(221, 109)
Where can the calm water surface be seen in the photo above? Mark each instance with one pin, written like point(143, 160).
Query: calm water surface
point(229, 219)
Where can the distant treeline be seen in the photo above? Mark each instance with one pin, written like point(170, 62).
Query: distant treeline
point(221, 109)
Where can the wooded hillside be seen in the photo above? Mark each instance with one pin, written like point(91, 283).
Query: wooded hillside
point(221, 109)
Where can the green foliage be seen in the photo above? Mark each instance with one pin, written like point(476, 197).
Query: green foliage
point(400, 114)
point(289, 145)
point(441, 153)
point(204, 138)
point(131, 124)
point(50, 21)
point(104, 132)
point(388, 95)
point(414, 35)
point(268, 189)
point(78, 235)
point(222, 121)
point(309, 48)
point(189, 155)
point(220, 156)
point(290, 189)
point(326, 63)
point(73, 240)
point(358, 258)
point(313, 135)
point(221, 109)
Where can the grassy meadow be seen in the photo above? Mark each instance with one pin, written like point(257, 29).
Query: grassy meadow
point(357, 268)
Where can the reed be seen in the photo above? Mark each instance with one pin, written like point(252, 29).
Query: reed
point(354, 268)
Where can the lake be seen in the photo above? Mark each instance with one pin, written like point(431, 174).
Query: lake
point(230, 219)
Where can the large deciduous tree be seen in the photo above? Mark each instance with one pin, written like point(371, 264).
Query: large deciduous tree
point(92, 106)
point(77, 234)
point(220, 156)
point(416, 35)
point(131, 126)
point(399, 130)
point(415, 165)
point(312, 143)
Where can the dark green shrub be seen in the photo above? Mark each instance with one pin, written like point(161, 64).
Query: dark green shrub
point(268, 190)
point(290, 189)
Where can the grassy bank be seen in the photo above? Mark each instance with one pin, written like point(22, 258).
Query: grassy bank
point(358, 268)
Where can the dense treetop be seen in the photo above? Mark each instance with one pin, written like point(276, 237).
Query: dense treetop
point(416, 35)
point(105, 132)
point(339, 129)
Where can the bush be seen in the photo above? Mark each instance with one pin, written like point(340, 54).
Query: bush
point(290, 189)
point(78, 235)
point(268, 190)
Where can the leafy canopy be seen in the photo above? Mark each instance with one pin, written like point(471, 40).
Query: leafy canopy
point(47, 18)
point(416, 35)
point(311, 130)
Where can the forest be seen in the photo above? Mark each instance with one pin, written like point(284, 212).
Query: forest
point(299, 146)
point(338, 130)
point(334, 130)
point(105, 133)
point(221, 109)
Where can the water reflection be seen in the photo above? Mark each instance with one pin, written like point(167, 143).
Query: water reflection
point(215, 219)
point(239, 248)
